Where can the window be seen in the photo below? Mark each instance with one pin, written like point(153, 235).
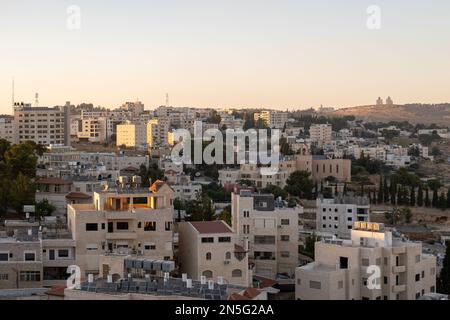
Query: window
point(433, 271)
point(335, 218)
point(423, 274)
point(265, 239)
point(149, 247)
point(224, 239)
point(4, 277)
point(4, 256)
point(315, 285)
point(385, 280)
point(63, 253)
point(91, 227)
point(284, 222)
point(236, 273)
point(30, 256)
point(228, 256)
point(150, 226)
point(349, 210)
point(168, 226)
point(324, 218)
point(103, 226)
point(364, 281)
point(285, 254)
point(30, 276)
point(417, 295)
point(343, 262)
point(208, 274)
point(349, 219)
point(122, 225)
point(418, 277)
point(284, 238)
point(378, 261)
point(385, 261)
point(340, 284)
point(208, 240)
point(208, 256)
point(418, 258)
point(432, 289)
point(365, 262)
point(139, 224)
point(91, 247)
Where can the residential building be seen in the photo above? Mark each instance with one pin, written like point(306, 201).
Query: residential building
point(131, 135)
point(157, 132)
point(348, 269)
point(43, 125)
point(212, 249)
point(320, 133)
point(336, 216)
point(271, 227)
point(7, 128)
point(124, 219)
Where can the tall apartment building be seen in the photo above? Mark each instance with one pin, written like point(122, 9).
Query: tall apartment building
point(131, 134)
point(123, 219)
point(134, 107)
point(43, 125)
point(271, 229)
point(320, 133)
point(273, 119)
point(344, 269)
point(157, 132)
point(92, 129)
point(336, 216)
point(212, 249)
point(7, 128)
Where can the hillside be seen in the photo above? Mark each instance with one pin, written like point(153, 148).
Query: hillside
point(414, 113)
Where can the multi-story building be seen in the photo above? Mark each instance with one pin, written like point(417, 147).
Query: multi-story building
point(7, 128)
point(273, 119)
point(320, 133)
point(134, 107)
point(271, 228)
point(371, 266)
point(43, 125)
point(336, 216)
point(92, 129)
point(212, 249)
point(123, 219)
point(157, 132)
point(131, 135)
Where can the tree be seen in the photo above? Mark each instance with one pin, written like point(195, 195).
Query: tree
point(412, 197)
point(299, 184)
point(285, 148)
point(393, 216)
point(22, 192)
point(436, 151)
point(178, 205)
point(435, 200)
point(427, 198)
point(225, 215)
point(420, 196)
point(380, 191)
point(443, 280)
point(310, 243)
point(442, 203)
point(152, 173)
point(276, 191)
point(44, 208)
point(448, 198)
point(385, 191)
point(407, 214)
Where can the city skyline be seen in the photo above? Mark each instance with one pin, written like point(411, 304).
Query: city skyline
point(291, 54)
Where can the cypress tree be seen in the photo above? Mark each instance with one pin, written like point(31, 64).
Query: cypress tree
point(435, 201)
point(393, 194)
point(380, 191)
point(420, 196)
point(345, 188)
point(448, 198)
point(412, 197)
point(385, 191)
point(442, 202)
point(427, 198)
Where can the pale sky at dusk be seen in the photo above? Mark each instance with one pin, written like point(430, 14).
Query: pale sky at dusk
point(231, 53)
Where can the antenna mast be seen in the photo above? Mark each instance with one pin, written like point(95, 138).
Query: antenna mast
point(36, 101)
point(12, 93)
point(167, 100)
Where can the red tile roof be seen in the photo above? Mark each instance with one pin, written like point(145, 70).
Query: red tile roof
point(78, 195)
point(237, 296)
point(217, 226)
point(251, 293)
point(53, 181)
point(265, 282)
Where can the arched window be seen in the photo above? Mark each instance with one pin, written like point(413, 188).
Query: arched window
point(236, 273)
point(208, 274)
point(228, 255)
point(208, 256)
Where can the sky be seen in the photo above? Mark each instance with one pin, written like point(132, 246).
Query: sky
point(224, 54)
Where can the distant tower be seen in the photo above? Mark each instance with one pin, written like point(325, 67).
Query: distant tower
point(36, 100)
point(167, 100)
point(389, 101)
point(379, 101)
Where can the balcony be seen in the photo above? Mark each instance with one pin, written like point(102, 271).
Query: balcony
point(122, 235)
point(398, 269)
point(120, 215)
point(398, 288)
